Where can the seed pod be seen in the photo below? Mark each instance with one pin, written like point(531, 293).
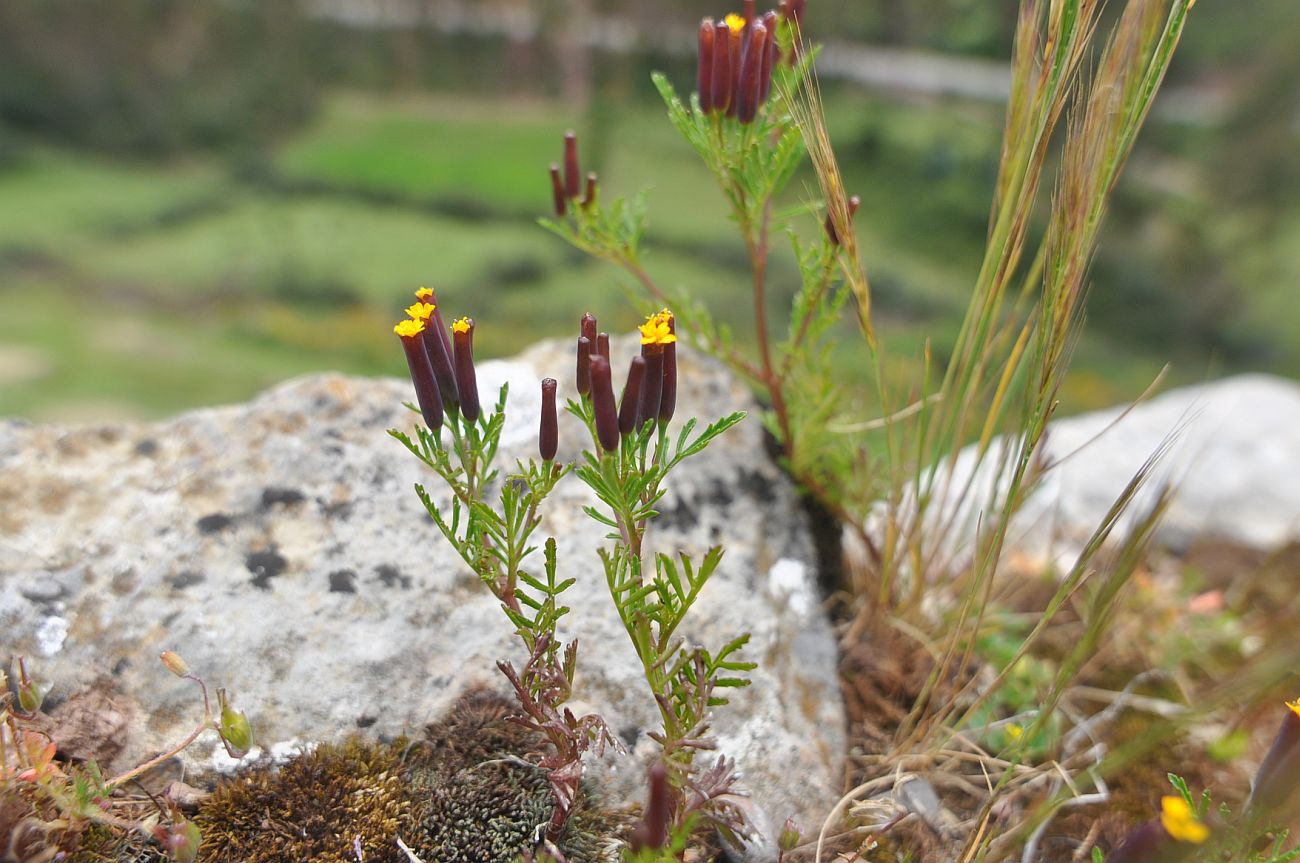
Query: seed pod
point(704, 76)
point(602, 345)
point(466, 381)
point(572, 174)
point(721, 89)
point(602, 403)
point(630, 405)
point(653, 388)
point(587, 327)
point(589, 197)
point(417, 362)
point(548, 432)
point(174, 664)
point(584, 366)
point(557, 192)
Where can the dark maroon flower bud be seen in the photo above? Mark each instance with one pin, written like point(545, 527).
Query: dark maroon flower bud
point(853, 203)
point(735, 52)
point(557, 192)
point(653, 389)
point(749, 9)
point(583, 377)
point(587, 327)
point(466, 382)
point(751, 66)
point(548, 431)
point(589, 197)
point(769, 58)
point(1145, 844)
point(572, 174)
point(721, 89)
point(704, 78)
point(438, 346)
point(602, 404)
point(417, 361)
point(668, 399)
point(631, 403)
point(602, 345)
point(1276, 778)
point(652, 832)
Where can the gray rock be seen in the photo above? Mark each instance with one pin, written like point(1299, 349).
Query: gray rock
point(1233, 460)
point(279, 548)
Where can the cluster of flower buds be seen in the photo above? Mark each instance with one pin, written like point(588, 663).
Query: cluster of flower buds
point(1170, 838)
point(442, 368)
point(736, 59)
point(650, 392)
point(567, 188)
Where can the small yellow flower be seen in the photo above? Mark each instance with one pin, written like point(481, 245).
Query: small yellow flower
point(420, 311)
point(424, 294)
point(735, 23)
point(409, 327)
point(657, 329)
point(1014, 731)
point(460, 326)
point(1181, 822)
point(1294, 705)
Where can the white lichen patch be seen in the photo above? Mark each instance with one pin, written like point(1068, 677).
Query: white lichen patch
point(50, 635)
point(787, 581)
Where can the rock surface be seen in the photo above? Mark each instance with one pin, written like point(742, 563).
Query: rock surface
point(1233, 457)
point(279, 548)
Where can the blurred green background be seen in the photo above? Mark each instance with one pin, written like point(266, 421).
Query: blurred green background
point(199, 198)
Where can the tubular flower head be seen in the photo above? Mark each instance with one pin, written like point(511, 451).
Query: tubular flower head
point(602, 345)
point(1275, 779)
point(584, 366)
point(652, 832)
point(668, 398)
point(630, 406)
point(704, 74)
point(417, 362)
point(572, 171)
point(438, 346)
point(558, 198)
point(587, 327)
point(466, 380)
point(602, 403)
point(548, 434)
point(1181, 822)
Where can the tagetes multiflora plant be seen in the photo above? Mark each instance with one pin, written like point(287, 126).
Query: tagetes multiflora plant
point(491, 521)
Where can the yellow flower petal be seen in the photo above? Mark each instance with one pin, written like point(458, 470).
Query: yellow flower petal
point(424, 294)
point(421, 311)
point(460, 326)
point(1181, 822)
point(409, 328)
point(734, 22)
point(1294, 705)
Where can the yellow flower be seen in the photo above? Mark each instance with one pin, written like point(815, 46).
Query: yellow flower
point(1015, 732)
point(460, 326)
point(423, 294)
point(1181, 822)
point(409, 328)
point(420, 311)
point(657, 329)
point(1294, 705)
point(735, 23)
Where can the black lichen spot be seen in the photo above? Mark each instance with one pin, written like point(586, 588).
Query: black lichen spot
point(186, 579)
point(273, 495)
point(120, 666)
point(343, 581)
point(265, 565)
point(391, 576)
point(628, 734)
point(365, 721)
point(146, 447)
point(214, 523)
